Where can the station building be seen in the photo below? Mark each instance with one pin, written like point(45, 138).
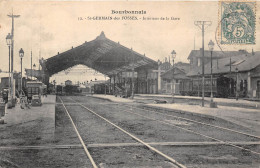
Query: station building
point(173, 77)
point(240, 67)
point(68, 82)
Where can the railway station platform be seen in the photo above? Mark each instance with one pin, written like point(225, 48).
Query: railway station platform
point(42, 117)
point(17, 115)
point(246, 117)
point(221, 101)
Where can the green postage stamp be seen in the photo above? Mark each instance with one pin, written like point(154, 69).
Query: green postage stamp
point(237, 22)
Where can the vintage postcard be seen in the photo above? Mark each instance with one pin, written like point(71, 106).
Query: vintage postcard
point(130, 84)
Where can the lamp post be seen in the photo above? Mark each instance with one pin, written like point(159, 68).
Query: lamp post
point(12, 88)
point(211, 47)
point(9, 43)
point(21, 54)
point(236, 70)
point(173, 57)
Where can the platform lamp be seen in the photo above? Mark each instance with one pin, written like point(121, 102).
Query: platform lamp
point(211, 48)
point(9, 43)
point(21, 54)
point(236, 70)
point(173, 57)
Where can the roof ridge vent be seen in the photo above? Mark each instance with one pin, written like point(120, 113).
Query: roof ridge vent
point(102, 36)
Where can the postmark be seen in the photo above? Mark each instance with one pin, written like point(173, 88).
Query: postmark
point(238, 22)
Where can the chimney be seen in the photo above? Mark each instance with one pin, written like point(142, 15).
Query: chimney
point(253, 53)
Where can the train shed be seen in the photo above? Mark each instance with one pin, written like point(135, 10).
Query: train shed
point(126, 68)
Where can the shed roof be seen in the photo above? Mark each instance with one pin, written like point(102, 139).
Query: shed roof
point(244, 62)
point(216, 54)
point(101, 54)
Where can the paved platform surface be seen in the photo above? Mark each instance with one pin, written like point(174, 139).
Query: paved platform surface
point(249, 118)
point(17, 115)
point(222, 101)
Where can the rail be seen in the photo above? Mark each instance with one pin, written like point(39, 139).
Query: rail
point(80, 138)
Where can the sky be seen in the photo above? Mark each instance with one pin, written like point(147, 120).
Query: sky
point(49, 27)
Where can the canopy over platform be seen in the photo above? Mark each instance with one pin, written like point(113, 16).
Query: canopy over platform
point(101, 54)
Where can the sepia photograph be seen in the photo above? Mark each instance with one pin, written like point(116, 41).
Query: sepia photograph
point(129, 84)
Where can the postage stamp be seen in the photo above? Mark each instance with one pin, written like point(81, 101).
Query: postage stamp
point(237, 22)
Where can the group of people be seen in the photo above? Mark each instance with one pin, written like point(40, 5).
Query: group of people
point(20, 97)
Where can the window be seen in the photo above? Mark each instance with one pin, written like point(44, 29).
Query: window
point(191, 61)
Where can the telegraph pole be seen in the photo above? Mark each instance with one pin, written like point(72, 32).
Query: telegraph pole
point(12, 56)
point(133, 73)
point(201, 25)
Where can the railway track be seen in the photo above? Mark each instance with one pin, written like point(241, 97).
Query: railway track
point(197, 133)
point(188, 130)
point(80, 138)
point(166, 157)
point(198, 122)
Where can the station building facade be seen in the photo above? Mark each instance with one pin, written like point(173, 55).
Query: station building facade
point(240, 68)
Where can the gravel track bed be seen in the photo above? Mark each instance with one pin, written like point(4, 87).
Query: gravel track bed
point(220, 156)
point(95, 130)
point(129, 157)
point(64, 131)
point(34, 158)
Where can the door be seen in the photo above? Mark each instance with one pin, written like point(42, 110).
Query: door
point(258, 89)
